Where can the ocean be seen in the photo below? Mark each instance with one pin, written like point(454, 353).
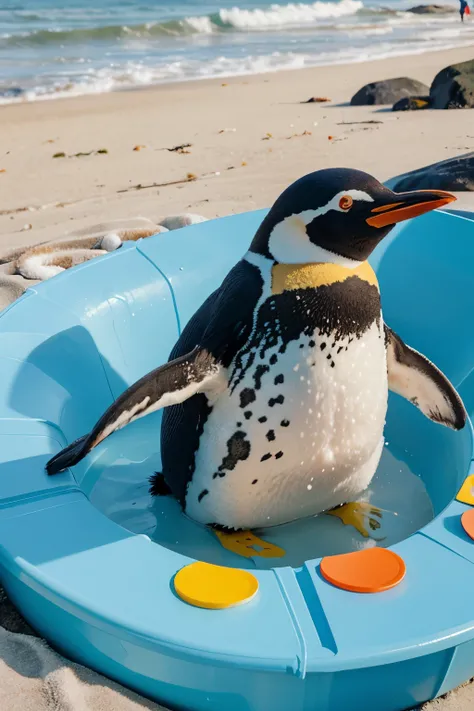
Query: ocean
point(52, 49)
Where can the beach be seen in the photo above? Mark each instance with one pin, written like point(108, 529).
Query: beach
point(250, 137)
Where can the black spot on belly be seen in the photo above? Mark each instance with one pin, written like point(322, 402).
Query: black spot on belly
point(254, 481)
point(239, 424)
point(312, 343)
point(301, 345)
point(332, 364)
point(248, 414)
point(278, 455)
point(273, 359)
point(238, 449)
point(278, 400)
point(322, 346)
point(260, 371)
point(247, 396)
point(285, 423)
point(270, 435)
point(262, 419)
point(340, 349)
point(202, 495)
point(265, 457)
point(329, 356)
point(279, 379)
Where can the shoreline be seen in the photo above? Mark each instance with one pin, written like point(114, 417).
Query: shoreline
point(190, 81)
point(65, 95)
point(236, 170)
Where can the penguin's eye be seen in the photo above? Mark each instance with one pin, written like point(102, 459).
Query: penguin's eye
point(345, 203)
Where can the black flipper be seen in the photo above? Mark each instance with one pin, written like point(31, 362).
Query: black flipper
point(414, 377)
point(170, 384)
point(70, 455)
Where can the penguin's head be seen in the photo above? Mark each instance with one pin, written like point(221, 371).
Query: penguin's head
point(337, 215)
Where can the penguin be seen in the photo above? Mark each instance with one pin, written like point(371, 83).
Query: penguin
point(276, 392)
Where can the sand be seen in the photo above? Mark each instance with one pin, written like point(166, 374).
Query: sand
point(274, 140)
point(254, 163)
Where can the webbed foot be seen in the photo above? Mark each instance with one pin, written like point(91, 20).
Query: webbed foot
point(361, 515)
point(247, 545)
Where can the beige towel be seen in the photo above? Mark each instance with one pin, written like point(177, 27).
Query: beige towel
point(18, 265)
point(15, 276)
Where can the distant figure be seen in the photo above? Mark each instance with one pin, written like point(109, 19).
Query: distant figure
point(464, 9)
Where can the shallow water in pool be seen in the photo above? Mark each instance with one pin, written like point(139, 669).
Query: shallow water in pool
point(117, 484)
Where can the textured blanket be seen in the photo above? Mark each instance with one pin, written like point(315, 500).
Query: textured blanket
point(24, 267)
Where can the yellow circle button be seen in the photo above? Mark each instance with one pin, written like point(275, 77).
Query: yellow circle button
point(214, 587)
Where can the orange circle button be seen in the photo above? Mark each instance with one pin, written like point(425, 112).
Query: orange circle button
point(467, 522)
point(369, 571)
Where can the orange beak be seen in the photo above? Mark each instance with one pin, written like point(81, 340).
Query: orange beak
point(408, 205)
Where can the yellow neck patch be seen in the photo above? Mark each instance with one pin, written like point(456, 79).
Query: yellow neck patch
point(288, 277)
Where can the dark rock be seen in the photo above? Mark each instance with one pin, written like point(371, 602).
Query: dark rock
point(453, 174)
point(432, 9)
point(412, 103)
point(453, 87)
point(388, 91)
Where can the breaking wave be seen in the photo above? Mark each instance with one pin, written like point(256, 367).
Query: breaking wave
point(275, 17)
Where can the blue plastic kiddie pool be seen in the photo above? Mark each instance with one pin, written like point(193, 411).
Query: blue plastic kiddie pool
point(90, 559)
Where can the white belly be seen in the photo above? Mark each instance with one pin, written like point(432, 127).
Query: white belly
point(325, 456)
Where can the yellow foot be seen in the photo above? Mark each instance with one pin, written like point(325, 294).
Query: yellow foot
point(359, 515)
point(244, 543)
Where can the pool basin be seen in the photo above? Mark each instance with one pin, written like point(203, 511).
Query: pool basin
point(96, 579)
